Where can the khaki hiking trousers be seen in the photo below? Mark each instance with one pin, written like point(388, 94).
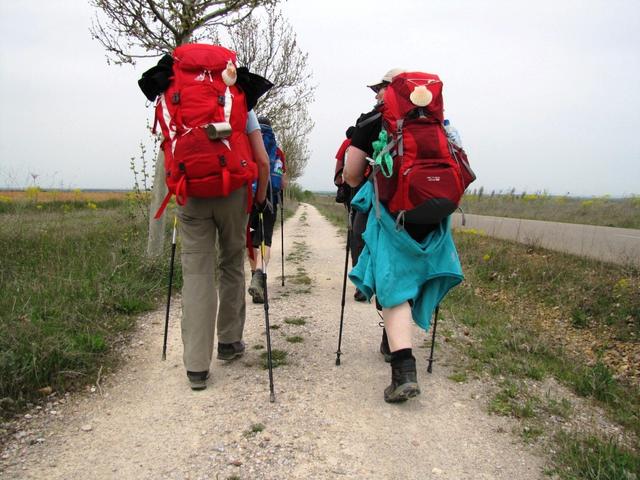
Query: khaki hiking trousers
point(213, 235)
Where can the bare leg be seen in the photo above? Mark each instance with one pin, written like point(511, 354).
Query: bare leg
point(398, 323)
point(256, 261)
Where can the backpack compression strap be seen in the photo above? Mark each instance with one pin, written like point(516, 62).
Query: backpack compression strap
point(181, 197)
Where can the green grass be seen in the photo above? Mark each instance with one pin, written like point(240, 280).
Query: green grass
point(459, 377)
point(502, 313)
point(295, 320)
point(299, 252)
point(300, 278)
point(336, 213)
point(278, 358)
point(513, 401)
point(518, 350)
point(594, 458)
point(70, 281)
point(593, 294)
point(254, 429)
point(604, 211)
point(295, 339)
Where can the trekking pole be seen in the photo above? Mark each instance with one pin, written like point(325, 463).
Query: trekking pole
point(344, 286)
point(166, 318)
point(272, 396)
point(282, 231)
point(433, 339)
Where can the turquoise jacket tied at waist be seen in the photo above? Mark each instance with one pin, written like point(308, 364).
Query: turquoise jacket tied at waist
point(396, 268)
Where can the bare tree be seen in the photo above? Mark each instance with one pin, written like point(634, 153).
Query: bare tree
point(133, 29)
point(267, 45)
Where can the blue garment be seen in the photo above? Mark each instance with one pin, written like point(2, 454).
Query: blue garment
point(396, 268)
point(276, 166)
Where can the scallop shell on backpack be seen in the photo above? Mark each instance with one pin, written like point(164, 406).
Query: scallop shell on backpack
point(421, 96)
point(229, 74)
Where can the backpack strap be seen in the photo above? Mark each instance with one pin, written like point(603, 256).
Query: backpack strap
point(398, 140)
point(163, 205)
point(400, 220)
point(374, 180)
point(181, 197)
point(369, 120)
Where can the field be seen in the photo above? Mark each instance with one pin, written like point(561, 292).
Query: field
point(72, 276)
point(37, 195)
point(603, 211)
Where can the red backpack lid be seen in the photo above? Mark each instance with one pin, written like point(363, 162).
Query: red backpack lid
point(407, 88)
point(198, 56)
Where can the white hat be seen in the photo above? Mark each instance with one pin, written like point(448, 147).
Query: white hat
point(386, 78)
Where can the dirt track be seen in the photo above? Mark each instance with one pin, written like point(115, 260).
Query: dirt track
point(327, 422)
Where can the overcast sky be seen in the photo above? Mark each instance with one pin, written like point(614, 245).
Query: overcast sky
point(544, 93)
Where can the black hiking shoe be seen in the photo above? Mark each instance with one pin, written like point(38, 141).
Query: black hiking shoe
point(256, 287)
point(198, 380)
point(359, 296)
point(229, 351)
point(404, 382)
point(384, 347)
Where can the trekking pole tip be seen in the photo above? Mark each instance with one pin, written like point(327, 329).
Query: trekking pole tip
point(164, 356)
point(272, 397)
point(337, 359)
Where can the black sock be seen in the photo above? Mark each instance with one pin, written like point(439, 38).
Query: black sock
point(401, 354)
point(253, 272)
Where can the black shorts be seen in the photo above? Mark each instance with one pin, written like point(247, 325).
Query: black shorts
point(269, 220)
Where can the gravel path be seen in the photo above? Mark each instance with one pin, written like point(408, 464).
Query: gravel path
point(327, 422)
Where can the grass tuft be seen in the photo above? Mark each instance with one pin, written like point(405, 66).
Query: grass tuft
point(278, 358)
point(295, 320)
point(593, 458)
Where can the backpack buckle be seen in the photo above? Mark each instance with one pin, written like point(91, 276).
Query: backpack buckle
point(175, 98)
point(223, 161)
point(221, 100)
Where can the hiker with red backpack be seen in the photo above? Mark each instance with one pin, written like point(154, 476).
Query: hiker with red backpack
point(409, 261)
point(277, 183)
point(213, 154)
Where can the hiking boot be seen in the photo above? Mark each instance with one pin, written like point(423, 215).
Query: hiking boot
point(404, 382)
point(384, 347)
point(229, 351)
point(359, 296)
point(256, 287)
point(198, 380)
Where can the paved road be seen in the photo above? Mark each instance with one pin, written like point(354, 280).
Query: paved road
point(616, 245)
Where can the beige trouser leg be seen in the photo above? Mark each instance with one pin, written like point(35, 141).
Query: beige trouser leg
point(203, 221)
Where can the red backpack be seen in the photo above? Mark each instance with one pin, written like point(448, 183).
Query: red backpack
point(203, 117)
point(419, 175)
